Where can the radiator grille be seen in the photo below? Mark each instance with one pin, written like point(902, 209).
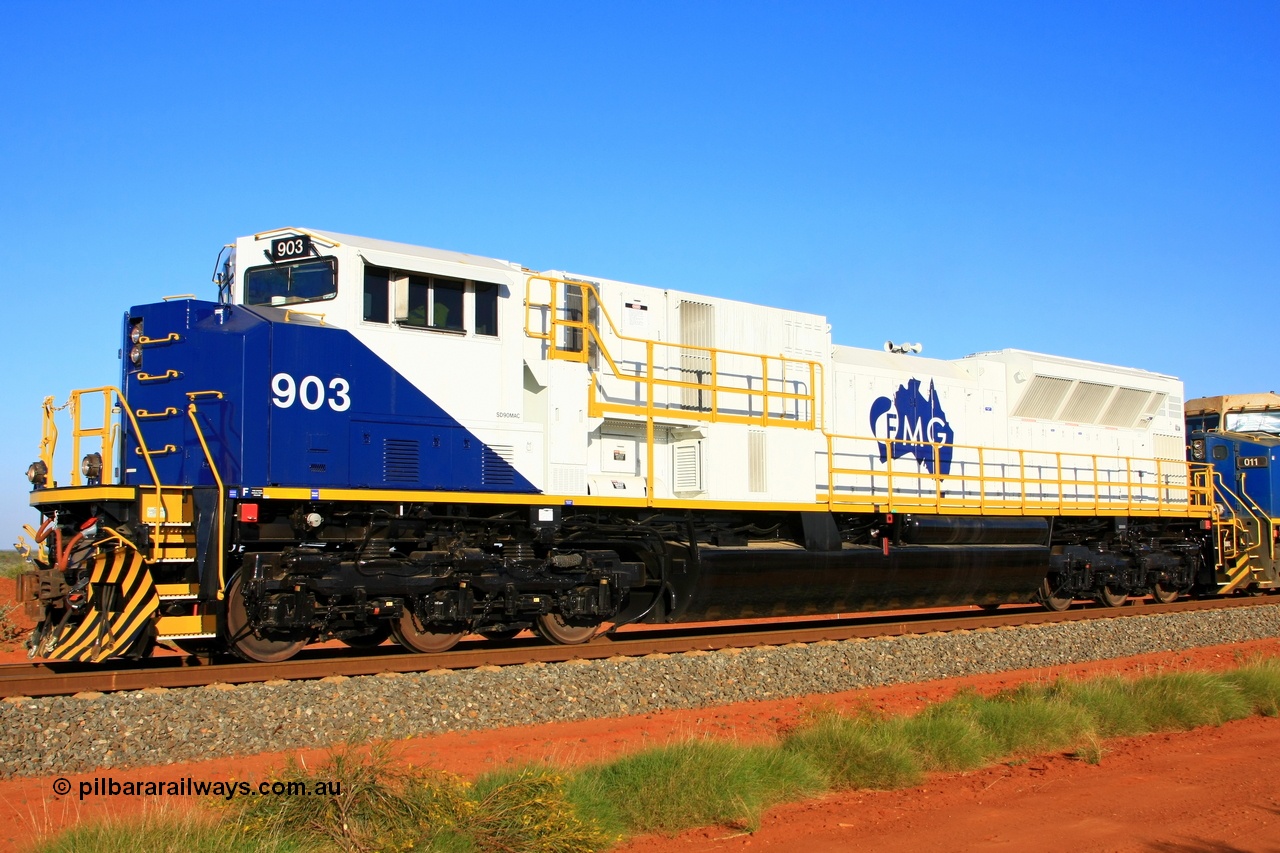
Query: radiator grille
point(1043, 398)
point(1126, 407)
point(1085, 402)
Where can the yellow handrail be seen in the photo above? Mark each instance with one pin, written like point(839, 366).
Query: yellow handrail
point(1077, 482)
point(217, 478)
point(106, 432)
point(714, 385)
point(1243, 503)
point(149, 377)
point(289, 312)
point(169, 411)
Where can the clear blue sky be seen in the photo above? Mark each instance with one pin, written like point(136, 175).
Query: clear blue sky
point(1092, 179)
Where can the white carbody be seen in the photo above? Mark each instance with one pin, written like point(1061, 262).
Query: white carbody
point(1019, 407)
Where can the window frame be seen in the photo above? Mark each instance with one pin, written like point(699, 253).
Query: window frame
point(289, 267)
point(475, 308)
point(388, 303)
point(472, 293)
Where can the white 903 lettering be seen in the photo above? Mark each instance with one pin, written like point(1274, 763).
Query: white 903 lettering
point(310, 391)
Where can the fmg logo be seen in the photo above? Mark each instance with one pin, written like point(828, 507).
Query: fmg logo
point(911, 417)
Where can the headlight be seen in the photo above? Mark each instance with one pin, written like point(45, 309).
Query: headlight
point(91, 467)
point(1197, 449)
point(37, 473)
point(135, 334)
point(135, 355)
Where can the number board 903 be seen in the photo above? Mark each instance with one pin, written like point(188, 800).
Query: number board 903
point(289, 248)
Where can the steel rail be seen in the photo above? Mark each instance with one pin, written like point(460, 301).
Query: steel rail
point(54, 679)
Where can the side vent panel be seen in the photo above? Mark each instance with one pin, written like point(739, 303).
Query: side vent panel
point(757, 481)
point(495, 465)
point(688, 467)
point(401, 460)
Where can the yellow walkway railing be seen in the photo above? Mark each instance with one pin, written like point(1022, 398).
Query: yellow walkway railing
point(674, 381)
point(861, 472)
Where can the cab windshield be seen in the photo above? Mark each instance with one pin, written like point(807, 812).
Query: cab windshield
point(1254, 422)
point(289, 284)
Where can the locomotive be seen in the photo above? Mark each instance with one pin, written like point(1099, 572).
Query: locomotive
point(360, 439)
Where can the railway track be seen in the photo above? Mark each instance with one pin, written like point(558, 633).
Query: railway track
point(45, 679)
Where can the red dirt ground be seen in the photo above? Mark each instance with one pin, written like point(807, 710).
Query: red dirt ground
point(1206, 790)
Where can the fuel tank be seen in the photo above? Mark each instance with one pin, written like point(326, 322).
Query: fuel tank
point(775, 580)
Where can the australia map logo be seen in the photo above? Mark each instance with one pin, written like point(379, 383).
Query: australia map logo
point(910, 417)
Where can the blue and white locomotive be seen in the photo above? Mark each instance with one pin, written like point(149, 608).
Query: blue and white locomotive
point(361, 438)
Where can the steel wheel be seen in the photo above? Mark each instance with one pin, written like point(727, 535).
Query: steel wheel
point(271, 648)
point(1162, 594)
point(1053, 597)
point(371, 640)
point(1110, 598)
point(553, 627)
point(428, 639)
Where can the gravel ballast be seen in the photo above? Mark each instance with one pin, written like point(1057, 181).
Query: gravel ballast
point(70, 735)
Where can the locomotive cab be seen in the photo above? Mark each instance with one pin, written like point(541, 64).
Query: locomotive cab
point(1239, 435)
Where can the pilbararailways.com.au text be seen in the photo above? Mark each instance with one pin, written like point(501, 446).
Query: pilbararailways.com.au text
point(109, 786)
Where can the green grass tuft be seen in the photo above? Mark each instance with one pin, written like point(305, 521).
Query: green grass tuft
point(1027, 721)
point(1259, 682)
point(857, 752)
point(947, 737)
point(382, 805)
point(528, 811)
point(692, 783)
point(1109, 703)
point(165, 830)
point(1177, 701)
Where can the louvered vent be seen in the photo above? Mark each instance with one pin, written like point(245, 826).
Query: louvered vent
point(495, 465)
point(1042, 398)
point(756, 481)
point(688, 465)
point(401, 461)
point(1154, 404)
point(1126, 407)
point(698, 328)
point(1085, 402)
point(1170, 447)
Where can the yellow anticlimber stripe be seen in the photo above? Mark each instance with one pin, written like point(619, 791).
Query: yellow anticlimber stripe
point(142, 602)
point(80, 639)
point(115, 629)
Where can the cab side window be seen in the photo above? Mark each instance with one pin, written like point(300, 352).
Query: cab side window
point(486, 309)
point(377, 305)
point(446, 304)
point(419, 301)
point(433, 302)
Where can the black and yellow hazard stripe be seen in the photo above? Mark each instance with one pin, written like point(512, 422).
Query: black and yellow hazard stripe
point(122, 600)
